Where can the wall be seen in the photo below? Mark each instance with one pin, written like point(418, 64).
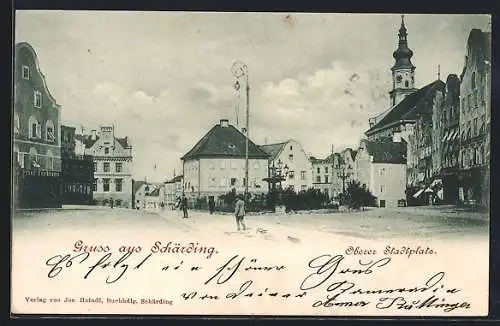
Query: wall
point(388, 182)
point(294, 156)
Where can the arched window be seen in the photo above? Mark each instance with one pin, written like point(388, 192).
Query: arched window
point(49, 131)
point(17, 124)
point(34, 157)
point(50, 160)
point(407, 83)
point(34, 128)
point(473, 80)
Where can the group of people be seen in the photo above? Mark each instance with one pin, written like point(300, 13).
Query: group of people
point(239, 209)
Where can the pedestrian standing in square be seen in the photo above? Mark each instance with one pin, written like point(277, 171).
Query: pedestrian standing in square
point(184, 204)
point(239, 212)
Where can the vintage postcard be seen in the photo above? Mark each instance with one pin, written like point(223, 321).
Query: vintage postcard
point(205, 163)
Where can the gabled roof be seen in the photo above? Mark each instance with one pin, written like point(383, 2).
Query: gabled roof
point(386, 151)
point(224, 141)
point(175, 179)
point(273, 150)
point(89, 142)
point(409, 107)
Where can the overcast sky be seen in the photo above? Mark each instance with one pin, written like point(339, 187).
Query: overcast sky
point(164, 79)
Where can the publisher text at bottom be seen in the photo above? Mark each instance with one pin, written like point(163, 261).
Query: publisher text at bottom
point(138, 301)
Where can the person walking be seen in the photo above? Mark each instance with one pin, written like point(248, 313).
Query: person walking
point(211, 204)
point(184, 205)
point(239, 212)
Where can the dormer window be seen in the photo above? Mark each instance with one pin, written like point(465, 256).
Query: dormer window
point(26, 72)
point(37, 99)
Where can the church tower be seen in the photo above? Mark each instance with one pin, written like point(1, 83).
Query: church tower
point(403, 71)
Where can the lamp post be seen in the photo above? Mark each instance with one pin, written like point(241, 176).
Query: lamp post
point(240, 69)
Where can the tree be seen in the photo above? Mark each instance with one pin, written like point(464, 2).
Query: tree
point(358, 196)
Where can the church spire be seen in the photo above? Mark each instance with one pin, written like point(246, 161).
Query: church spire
point(403, 53)
point(403, 71)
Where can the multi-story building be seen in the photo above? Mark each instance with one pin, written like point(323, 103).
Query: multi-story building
point(112, 165)
point(328, 174)
point(475, 90)
point(216, 164)
point(36, 129)
point(150, 196)
point(173, 190)
point(77, 171)
point(382, 168)
point(295, 162)
point(446, 140)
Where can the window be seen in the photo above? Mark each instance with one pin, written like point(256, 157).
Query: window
point(290, 157)
point(211, 166)
point(302, 175)
point(49, 131)
point(475, 126)
point(382, 172)
point(244, 182)
point(407, 84)
point(118, 185)
point(318, 179)
point(469, 102)
point(26, 72)
point(473, 80)
point(106, 150)
point(233, 164)
point(382, 188)
point(326, 169)
point(106, 166)
point(105, 185)
point(222, 164)
point(326, 179)
point(318, 170)
point(35, 128)
point(291, 148)
point(94, 185)
point(37, 99)
point(16, 124)
point(223, 182)
point(118, 167)
point(95, 166)
point(233, 181)
point(211, 181)
point(291, 174)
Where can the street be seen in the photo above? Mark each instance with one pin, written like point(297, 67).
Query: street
point(445, 222)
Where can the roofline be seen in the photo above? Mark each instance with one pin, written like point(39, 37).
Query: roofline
point(28, 46)
point(198, 156)
point(371, 132)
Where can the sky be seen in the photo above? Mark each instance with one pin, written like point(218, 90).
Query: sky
point(164, 78)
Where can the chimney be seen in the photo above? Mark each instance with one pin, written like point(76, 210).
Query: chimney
point(224, 122)
point(93, 134)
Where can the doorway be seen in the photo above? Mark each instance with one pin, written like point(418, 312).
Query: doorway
point(382, 203)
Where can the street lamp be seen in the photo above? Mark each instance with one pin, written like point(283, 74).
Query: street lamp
point(240, 69)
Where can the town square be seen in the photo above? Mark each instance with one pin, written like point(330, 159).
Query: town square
point(364, 140)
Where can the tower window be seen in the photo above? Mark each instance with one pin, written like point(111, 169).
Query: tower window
point(26, 72)
point(407, 84)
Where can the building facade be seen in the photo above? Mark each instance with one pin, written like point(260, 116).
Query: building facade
point(112, 166)
point(216, 165)
point(77, 171)
point(475, 98)
point(36, 130)
point(382, 168)
point(295, 162)
point(173, 190)
point(446, 141)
